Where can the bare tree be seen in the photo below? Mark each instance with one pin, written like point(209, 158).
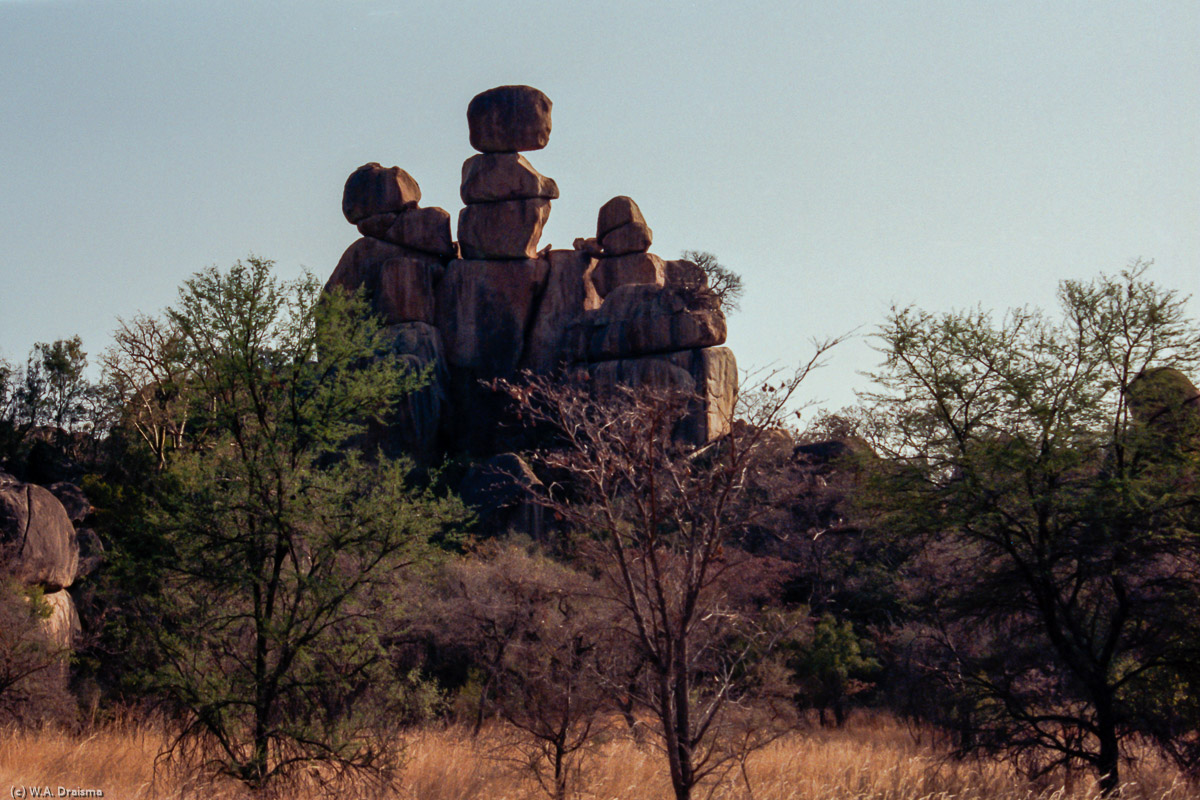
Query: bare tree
point(658, 519)
point(722, 281)
point(535, 629)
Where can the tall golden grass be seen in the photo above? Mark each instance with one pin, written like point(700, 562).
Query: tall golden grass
point(872, 758)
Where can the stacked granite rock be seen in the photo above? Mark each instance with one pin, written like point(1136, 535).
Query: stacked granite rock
point(650, 322)
point(492, 305)
point(488, 298)
point(399, 261)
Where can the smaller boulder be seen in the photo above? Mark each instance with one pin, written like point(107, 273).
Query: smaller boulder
point(372, 189)
point(509, 119)
point(426, 230)
point(621, 210)
point(74, 501)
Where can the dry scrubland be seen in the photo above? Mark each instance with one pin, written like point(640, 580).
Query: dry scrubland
point(873, 758)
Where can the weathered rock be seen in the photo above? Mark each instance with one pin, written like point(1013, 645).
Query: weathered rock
point(399, 282)
point(621, 210)
point(492, 177)
point(414, 424)
point(507, 229)
point(628, 238)
point(406, 290)
point(640, 320)
point(641, 268)
point(508, 119)
point(74, 501)
point(38, 535)
point(61, 627)
point(423, 229)
point(563, 301)
point(709, 375)
point(372, 189)
point(485, 308)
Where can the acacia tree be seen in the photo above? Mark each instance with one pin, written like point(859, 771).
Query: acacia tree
point(658, 520)
point(282, 546)
point(1060, 524)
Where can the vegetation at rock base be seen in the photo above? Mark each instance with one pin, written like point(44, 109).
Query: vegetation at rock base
point(976, 584)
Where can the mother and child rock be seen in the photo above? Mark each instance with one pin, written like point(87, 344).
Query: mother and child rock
point(490, 304)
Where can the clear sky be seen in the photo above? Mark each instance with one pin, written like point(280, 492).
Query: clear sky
point(842, 156)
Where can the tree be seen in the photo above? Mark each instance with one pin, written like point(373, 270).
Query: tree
point(536, 631)
point(722, 281)
point(1059, 522)
point(283, 546)
point(657, 520)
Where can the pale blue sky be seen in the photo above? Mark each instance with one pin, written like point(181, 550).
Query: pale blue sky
point(842, 156)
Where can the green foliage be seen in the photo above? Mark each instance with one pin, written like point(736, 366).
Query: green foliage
point(279, 547)
point(833, 666)
point(1058, 520)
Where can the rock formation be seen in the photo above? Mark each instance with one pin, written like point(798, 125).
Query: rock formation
point(41, 551)
point(492, 304)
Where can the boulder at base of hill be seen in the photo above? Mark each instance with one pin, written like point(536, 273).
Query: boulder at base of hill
point(38, 536)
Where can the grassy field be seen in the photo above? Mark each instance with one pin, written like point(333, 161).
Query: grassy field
point(873, 758)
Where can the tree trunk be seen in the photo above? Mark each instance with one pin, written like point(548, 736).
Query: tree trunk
point(1108, 761)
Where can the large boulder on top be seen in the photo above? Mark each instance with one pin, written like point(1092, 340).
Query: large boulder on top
point(509, 119)
point(638, 319)
point(507, 229)
point(491, 177)
point(373, 189)
point(37, 536)
point(423, 229)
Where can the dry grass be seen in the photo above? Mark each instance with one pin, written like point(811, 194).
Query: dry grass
point(871, 759)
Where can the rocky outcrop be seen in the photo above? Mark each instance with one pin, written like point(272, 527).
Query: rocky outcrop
point(493, 304)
